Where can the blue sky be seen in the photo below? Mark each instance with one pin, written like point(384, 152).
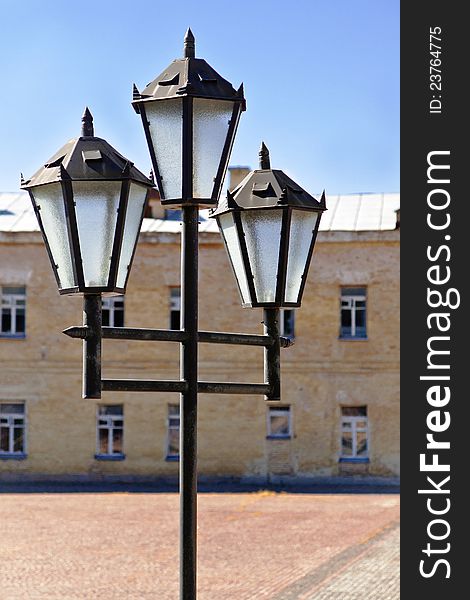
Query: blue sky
point(321, 80)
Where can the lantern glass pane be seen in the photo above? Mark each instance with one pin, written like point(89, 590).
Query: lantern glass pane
point(165, 119)
point(301, 231)
point(50, 199)
point(210, 127)
point(229, 233)
point(96, 205)
point(262, 230)
point(132, 223)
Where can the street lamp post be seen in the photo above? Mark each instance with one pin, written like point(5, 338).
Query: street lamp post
point(90, 201)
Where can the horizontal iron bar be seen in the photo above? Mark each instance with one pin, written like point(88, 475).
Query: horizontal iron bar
point(243, 339)
point(172, 335)
point(81, 332)
point(134, 333)
point(204, 387)
point(142, 385)
point(130, 333)
point(213, 387)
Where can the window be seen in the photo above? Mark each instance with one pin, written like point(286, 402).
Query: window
point(176, 214)
point(13, 311)
point(353, 312)
point(113, 312)
point(354, 433)
point(286, 326)
point(279, 422)
point(173, 214)
point(12, 430)
point(110, 430)
point(173, 443)
point(175, 307)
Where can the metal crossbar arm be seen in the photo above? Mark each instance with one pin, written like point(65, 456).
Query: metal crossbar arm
point(241, 339)
point(132, 333)
point(171, 335)
point(213, 387)
point(204, 387)
point(142, 385)
point(129, 333)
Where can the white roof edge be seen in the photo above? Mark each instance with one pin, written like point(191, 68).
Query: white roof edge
point(345, 212)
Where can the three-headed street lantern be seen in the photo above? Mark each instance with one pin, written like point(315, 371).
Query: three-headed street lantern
point(190, 116)
point(89, 201)
point(269, 225)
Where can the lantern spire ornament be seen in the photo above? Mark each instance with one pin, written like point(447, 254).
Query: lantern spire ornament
point(264, 162)
point(87, 124)
point(269, 225)
point(135, 92)
point(189, 44)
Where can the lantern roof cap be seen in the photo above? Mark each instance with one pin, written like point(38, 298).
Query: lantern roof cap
point(267, 188)
point(87, 158)
point(188, 76)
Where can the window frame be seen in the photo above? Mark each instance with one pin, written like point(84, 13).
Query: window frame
point(109, 305)
point(173, 298)
point(11, 453)
point(354, 430)
point(282, 410)
point(111, 456)
point(353, 298)
point(282, 323)
point(13, 306)
point(172, 457)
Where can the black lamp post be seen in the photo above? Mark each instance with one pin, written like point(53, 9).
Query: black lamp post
point(190, 115)
point(89, 202)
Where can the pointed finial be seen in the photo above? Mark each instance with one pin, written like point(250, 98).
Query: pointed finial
point(151, 176)
point(135, 92)
point(21, 179)
point(264, 162)
point(127, 168)
point(87, 124)
point(189, 44)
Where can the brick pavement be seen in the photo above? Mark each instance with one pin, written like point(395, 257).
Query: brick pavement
point(264, 545)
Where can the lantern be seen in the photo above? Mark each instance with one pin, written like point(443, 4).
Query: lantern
point(269, 225)
point(89, 201)
point(190, 116)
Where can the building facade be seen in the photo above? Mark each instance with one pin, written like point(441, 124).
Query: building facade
point(339, 412)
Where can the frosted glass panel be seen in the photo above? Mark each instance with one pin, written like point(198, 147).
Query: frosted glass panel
point(96, 205)
point(263, 235)
point(210, 127)
point(166, 130)
point(50, 199)
point(133, 220)
point(301, 229)
point(229, 232)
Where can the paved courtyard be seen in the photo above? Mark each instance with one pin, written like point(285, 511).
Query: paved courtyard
point(260, 545)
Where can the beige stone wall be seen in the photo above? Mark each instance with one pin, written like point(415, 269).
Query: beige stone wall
point(320, 372)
